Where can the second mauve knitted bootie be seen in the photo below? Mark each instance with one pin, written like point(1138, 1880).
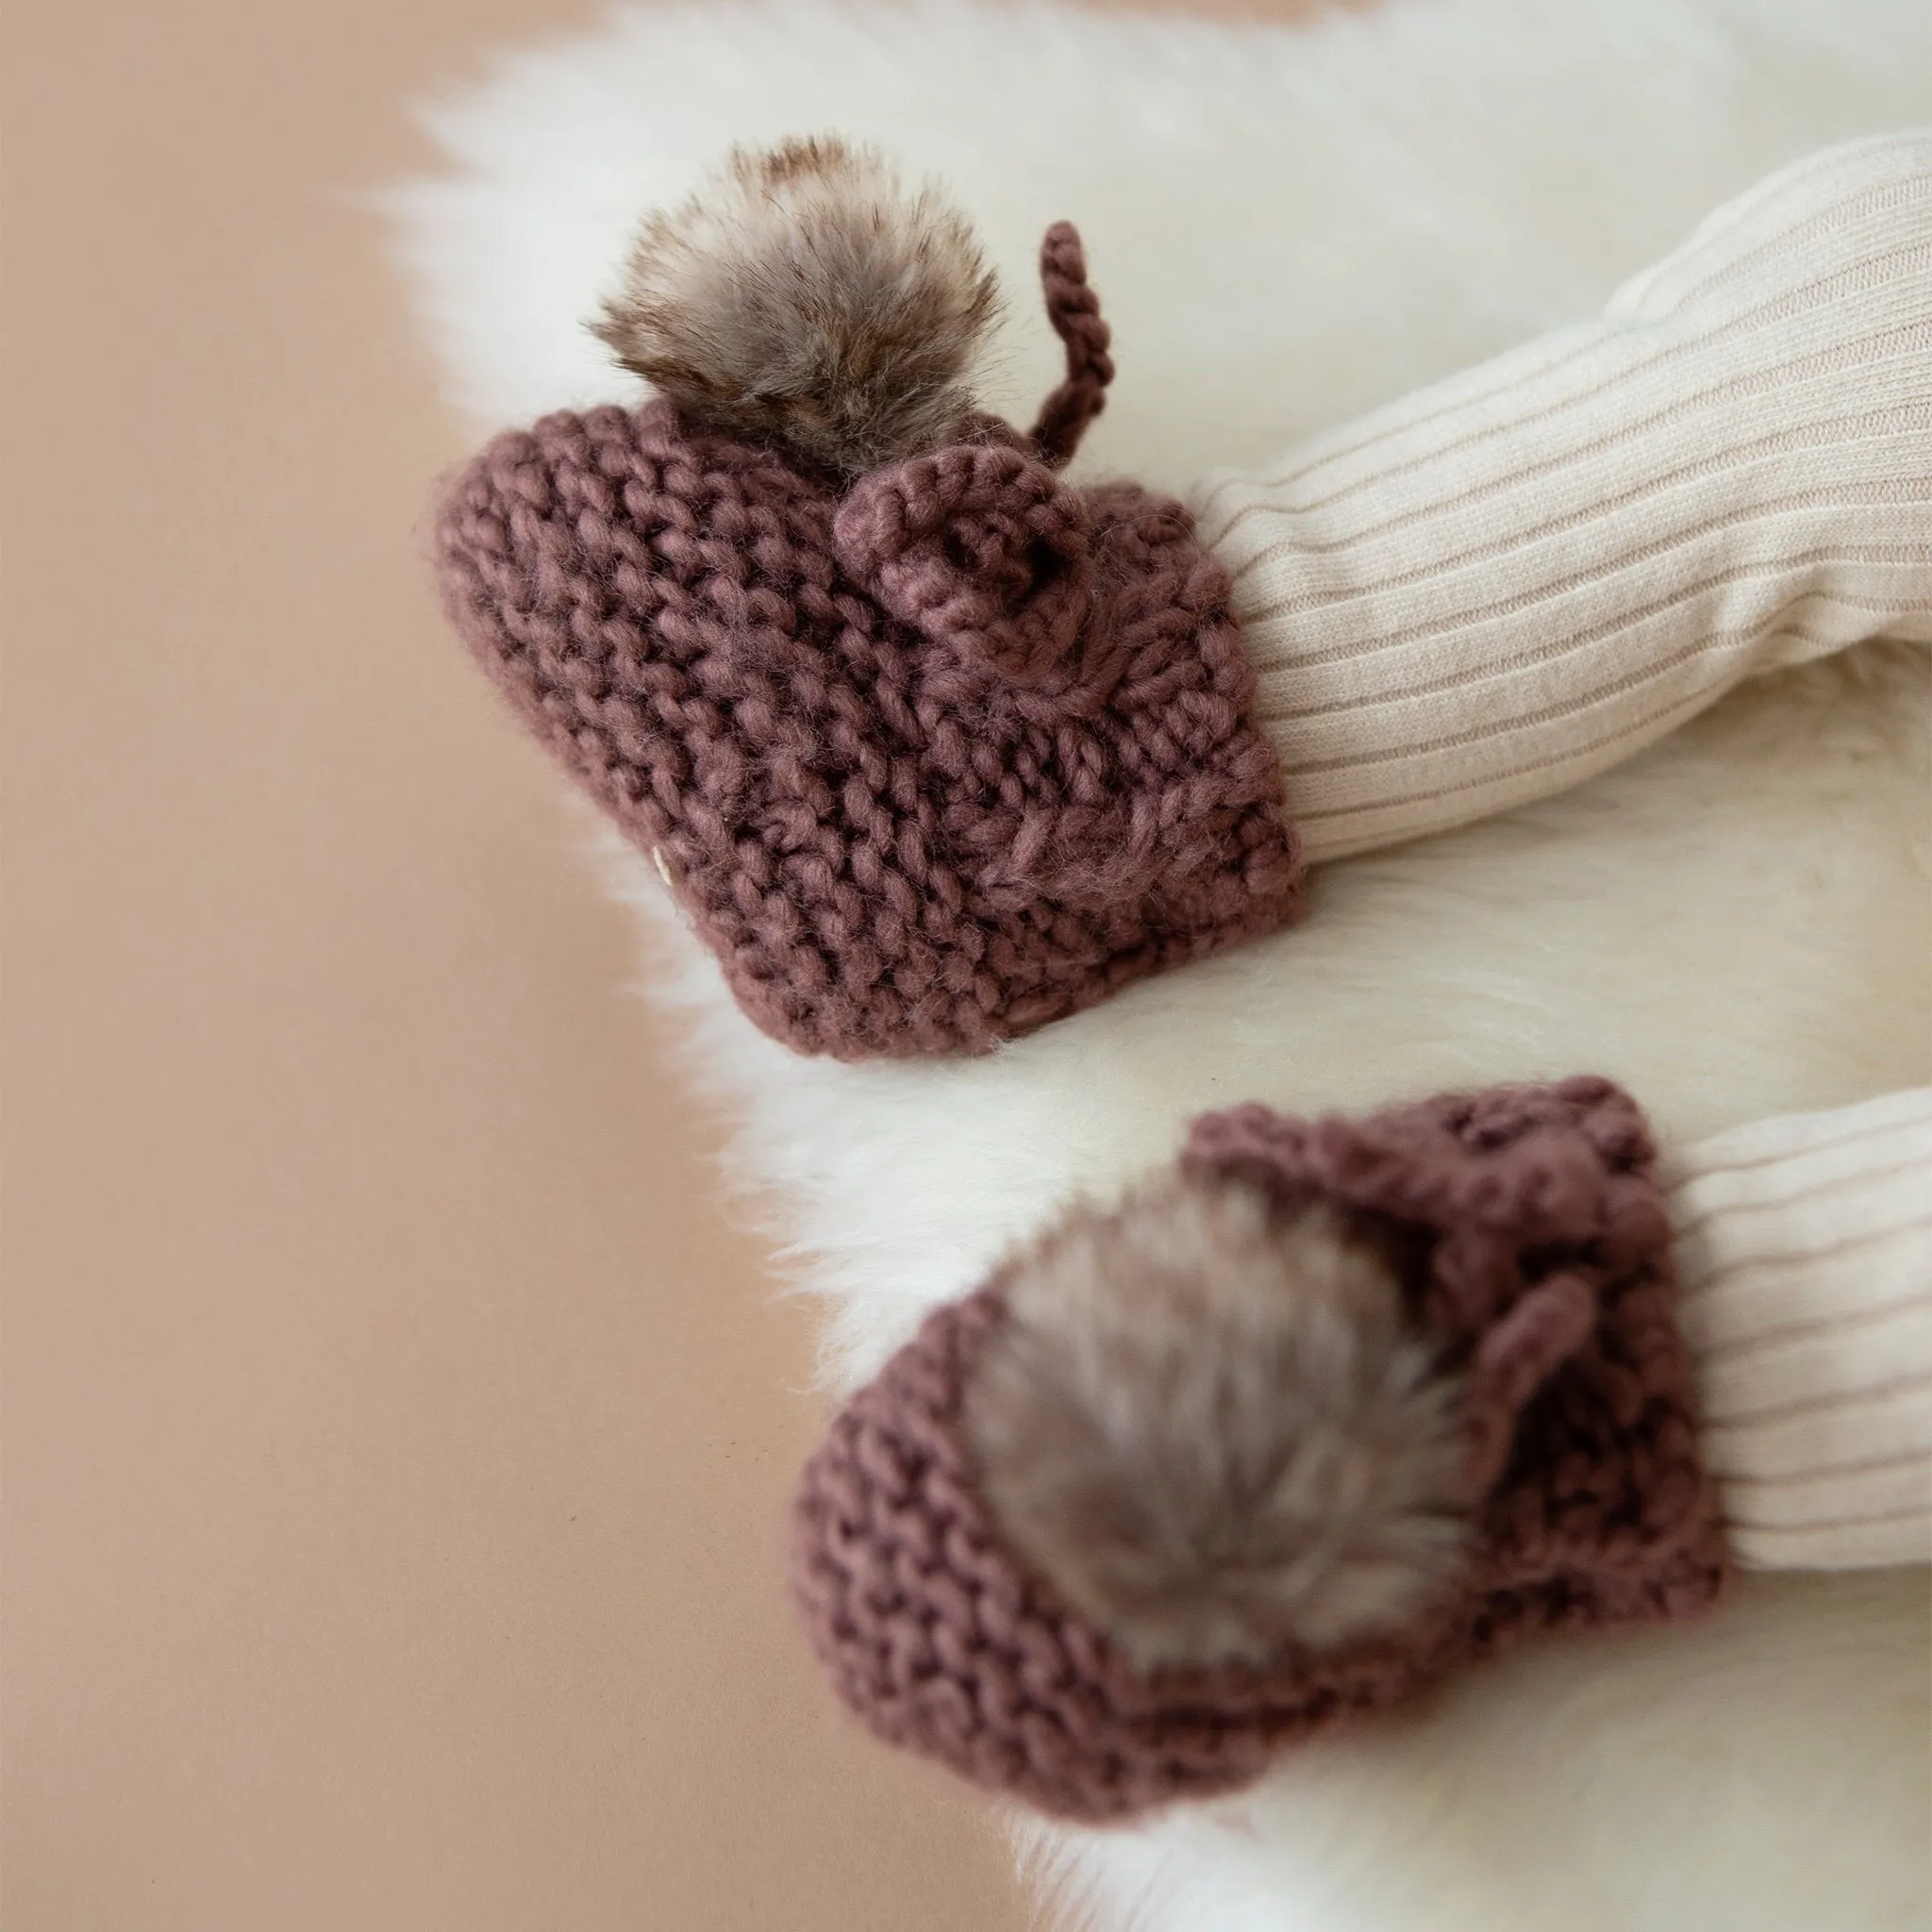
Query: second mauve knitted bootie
point(1330, 1408)
point(931, 747)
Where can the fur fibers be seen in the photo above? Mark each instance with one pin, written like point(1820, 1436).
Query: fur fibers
point(804, 298)
point(1298, 224)
point(1210, 1425)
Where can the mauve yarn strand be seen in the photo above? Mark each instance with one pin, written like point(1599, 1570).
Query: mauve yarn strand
point(1073, 310)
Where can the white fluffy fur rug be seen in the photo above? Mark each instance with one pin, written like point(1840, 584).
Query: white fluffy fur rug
point(1288, 226)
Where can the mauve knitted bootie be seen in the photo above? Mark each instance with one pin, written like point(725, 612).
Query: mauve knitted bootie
point(931, 750)
point(934, 748)
point(1532, 1251)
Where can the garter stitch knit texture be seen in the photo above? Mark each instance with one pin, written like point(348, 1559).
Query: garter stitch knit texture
point(929, 760)
point(1538, 1255)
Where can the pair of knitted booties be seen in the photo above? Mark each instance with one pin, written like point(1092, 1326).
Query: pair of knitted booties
point(934, 747)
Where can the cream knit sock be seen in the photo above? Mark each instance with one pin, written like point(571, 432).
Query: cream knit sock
point(1805, 1247)
point(1518, 578)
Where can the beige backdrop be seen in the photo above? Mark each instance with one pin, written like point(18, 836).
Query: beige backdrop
point(395, 1431)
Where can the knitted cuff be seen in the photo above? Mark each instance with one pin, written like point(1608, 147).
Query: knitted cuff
point(1537, 1260)
point(1513, 580)
point(1804, 1245)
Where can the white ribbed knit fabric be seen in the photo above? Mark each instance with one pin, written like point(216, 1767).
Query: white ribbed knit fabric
point(1515, 579)
point(1805, 1250)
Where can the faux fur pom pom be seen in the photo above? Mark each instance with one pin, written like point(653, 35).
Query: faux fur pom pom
point(803, 297)
point(1210, 1425)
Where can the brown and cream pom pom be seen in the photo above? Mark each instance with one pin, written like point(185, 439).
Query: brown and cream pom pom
point(1212, 1426)
point(804, 298)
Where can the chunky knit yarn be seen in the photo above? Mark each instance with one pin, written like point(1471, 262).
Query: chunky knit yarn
point(1538, 1254)
point(929, 760)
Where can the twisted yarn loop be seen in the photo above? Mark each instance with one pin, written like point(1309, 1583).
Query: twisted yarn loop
point(1538, 1254)
point(978, 545)
point(1073, 310)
